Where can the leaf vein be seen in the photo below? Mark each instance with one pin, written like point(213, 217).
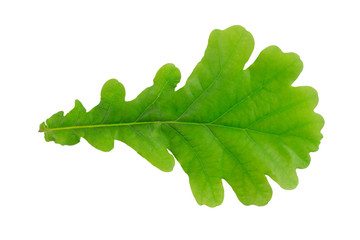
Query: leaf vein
point(198, 158)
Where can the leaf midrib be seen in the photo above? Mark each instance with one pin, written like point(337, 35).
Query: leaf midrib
point(170, 122)
point(132, 124)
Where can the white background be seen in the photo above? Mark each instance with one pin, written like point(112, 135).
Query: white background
point(53, 52)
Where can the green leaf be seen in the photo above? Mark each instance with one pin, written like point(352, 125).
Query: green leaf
point(225, 123)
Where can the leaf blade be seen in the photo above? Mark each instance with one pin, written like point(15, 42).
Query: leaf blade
point(225, 123)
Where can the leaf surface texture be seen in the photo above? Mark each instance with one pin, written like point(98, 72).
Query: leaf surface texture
point(227, 122)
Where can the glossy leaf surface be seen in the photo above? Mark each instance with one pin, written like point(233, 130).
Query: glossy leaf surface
point(225, 123)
